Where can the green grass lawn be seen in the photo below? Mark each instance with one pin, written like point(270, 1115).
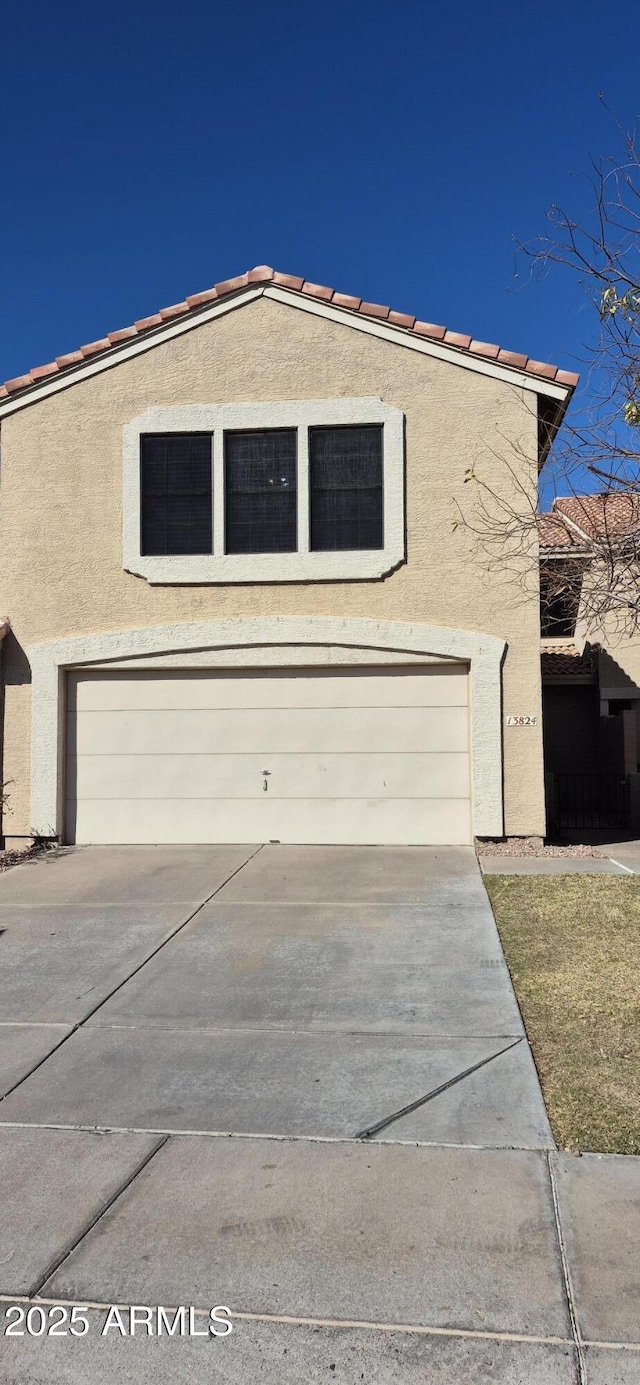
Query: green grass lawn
point(572, 943)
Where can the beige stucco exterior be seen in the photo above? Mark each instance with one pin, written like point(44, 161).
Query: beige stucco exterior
point(604, 623)
point(619, 667)
point(618, 654)
point(61, 511)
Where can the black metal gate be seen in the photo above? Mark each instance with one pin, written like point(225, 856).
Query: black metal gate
point(590, 800)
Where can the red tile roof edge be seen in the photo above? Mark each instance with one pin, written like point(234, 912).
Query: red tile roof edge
point(567, 660)
point(579, 521)
point(264, 274)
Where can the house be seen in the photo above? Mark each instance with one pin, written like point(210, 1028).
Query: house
point(240, 608)
point(591, 659)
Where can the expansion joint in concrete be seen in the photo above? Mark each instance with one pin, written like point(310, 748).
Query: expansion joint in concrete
point(371, 1130)
point(169, 938)
point(566, 1274)
point(68, 1250)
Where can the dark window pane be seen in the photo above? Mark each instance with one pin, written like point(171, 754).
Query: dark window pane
point(345, 478)
point(175, 493)
point(560, 588)
point(260, 492)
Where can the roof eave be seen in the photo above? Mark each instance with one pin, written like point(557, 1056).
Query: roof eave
point(566, 551)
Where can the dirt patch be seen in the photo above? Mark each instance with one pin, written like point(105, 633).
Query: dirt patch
point(27, 853)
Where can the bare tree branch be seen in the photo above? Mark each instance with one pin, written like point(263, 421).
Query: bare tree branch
point(595, 563)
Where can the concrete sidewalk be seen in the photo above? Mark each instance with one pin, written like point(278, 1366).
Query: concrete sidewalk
point(626, 853)
point(552, 865)
point(343, 1261)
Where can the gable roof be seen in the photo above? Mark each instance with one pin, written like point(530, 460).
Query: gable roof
point(577, 520)
point(260, 280)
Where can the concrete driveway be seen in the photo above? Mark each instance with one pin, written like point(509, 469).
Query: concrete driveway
point(284, 991)
point(294, 1081)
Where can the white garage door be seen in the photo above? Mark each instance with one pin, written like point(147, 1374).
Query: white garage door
point(377, 755)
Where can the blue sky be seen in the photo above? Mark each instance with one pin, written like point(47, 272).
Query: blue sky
point(390, 148)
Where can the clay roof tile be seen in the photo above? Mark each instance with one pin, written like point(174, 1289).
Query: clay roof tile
point(554, 533)
point(124, 334)
point(92, 347)
point(176, 310)
point(196, 300)
point(457, 339)
point(565, 660)
point(318, 291)
point(514, 358)
point(374, 310)
point(549, 372)
point(429, 329)
point(40, 372)
point(402, 320)
point(19, 382)
point(288, 281)
point(231, 285)
point(143, 323)
point(606, 515)
point(484, 348)
point(70, 358)
point(261, 274)
point(346, 300)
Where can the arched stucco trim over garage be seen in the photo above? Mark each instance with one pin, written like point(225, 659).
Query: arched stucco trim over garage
point(49, 662)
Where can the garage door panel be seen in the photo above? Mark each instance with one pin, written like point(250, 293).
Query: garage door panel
point(392, 822)
point(291, 776)
point(295, 729)
point(432, 687)
point(362, 755)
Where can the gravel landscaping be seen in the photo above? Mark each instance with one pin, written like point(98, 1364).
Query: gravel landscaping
point(524, 846)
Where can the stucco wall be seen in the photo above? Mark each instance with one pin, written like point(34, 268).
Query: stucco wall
point(619, 667)
point(61, 509)
point(619, 658)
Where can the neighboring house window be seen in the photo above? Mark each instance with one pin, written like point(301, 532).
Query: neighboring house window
point(346, 484)
point(289, 491)
point(558, 605)
point(175, 493)
point(260, 492)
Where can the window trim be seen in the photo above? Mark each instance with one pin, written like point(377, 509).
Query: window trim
point(304, 565)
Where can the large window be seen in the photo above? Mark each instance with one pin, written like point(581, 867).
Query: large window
point(345, 475)
point(289, 491)
point(175, 493)
point(260, 492)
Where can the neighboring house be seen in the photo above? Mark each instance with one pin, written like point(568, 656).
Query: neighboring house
point(590, 662)
point(240, 608)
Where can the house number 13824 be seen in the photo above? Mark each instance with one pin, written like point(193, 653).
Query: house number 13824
point(522, 721)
